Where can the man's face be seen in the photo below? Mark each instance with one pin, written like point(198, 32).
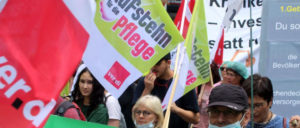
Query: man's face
point(223, 116)
point(261, 109)
point(161, 68)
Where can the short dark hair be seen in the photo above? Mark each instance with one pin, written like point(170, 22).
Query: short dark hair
point(262, 87)
point(166, 57)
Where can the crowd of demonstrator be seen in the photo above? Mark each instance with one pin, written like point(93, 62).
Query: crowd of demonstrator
point(223, 102)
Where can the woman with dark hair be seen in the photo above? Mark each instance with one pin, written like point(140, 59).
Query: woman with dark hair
point(89, 95)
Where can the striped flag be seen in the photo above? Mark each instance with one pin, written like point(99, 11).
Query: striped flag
point(188, 16)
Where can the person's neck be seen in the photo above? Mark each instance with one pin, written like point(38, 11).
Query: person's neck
point(167, 75)
point(86, 101)
point(269, 118)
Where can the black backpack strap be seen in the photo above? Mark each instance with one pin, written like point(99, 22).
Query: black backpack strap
point(63, 107)
point(107, 98)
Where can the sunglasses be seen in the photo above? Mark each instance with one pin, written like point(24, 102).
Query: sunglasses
point(222, 68)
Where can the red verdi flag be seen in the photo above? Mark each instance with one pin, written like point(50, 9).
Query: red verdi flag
point(41, 43)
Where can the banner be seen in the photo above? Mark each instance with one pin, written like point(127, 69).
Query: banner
point(38, 53)
point(193, 65)
point(62, 122)
point(127, 39)
point(236, 39)
point(279, 54)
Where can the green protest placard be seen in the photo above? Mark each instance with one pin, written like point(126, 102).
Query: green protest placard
point(197, 49)
point(62, 122)
point(141, 31)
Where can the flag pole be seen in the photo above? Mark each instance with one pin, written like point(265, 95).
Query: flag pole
point(211, 77)
point(168, 112)
point(183, 17)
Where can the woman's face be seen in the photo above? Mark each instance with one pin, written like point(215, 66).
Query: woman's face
point(232, 78)
point(86, 84)
point(143, 115)
point(223, 73)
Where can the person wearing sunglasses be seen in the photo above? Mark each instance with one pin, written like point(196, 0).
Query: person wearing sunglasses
point(147, 112)
point(227, 108)
point(222, 70)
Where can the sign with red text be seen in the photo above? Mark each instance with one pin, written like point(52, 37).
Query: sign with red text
point(38, 53)
point(129, 37)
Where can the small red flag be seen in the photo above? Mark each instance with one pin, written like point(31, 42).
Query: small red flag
point(219, 52)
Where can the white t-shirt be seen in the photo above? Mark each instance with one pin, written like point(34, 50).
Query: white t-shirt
point(113, 107)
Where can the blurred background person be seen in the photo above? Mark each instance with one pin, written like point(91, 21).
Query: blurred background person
point(115, 116)
point(204, 95)
point(125, 101)
point(295, 121)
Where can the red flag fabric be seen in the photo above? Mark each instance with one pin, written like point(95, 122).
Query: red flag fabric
point(41, 43)
point(219, 52)
point(188, 16)
point(233, 8)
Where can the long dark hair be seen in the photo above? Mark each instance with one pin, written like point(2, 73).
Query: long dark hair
point(215, 72)
point(96, 97)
